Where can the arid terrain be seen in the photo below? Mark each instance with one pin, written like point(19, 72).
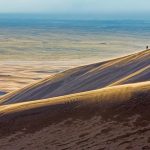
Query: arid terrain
point(102, 106)
point(18, 74)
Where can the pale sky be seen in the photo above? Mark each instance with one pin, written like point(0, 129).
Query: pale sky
point(76, 7)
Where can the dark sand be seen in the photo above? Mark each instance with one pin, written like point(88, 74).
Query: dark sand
point(108, 119)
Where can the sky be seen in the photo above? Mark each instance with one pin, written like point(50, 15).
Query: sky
point(77, 7)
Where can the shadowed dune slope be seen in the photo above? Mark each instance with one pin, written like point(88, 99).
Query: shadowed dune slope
point(110, 117)
point(2, 93)
point(105, 98)
point(129, 69)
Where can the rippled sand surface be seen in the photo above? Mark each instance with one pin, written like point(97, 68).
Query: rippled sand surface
point(17, 74)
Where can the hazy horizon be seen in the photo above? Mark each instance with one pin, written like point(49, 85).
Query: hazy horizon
point(78, 17)
point(75, 9)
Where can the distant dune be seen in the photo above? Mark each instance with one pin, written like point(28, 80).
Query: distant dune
point(15, 75)
point(129, 69)
point(110, 118)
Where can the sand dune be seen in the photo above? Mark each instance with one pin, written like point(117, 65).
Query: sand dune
point(129, 69)
point(15, 75)
point(103, 106)
point(109, 118)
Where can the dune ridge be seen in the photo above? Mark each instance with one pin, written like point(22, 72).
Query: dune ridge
point(108, 118)
point(133, 68)
point(99, 96)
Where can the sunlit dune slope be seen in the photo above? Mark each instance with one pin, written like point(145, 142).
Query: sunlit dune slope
point(129, 69)
point(110, 117)
point(103, 99)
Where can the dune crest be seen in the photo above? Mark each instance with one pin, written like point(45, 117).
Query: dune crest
point(114, 117)
point(129, 69)
point(109, 95)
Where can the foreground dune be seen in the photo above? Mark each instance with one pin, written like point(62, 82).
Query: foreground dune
point(129, 69)
point(110, 118)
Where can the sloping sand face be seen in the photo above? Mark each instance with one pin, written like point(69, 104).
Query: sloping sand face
point(15, 75)
point(130, 69)
point(110, 118)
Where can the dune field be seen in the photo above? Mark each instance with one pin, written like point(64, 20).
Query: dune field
point(129, 69)
point(102, 106)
